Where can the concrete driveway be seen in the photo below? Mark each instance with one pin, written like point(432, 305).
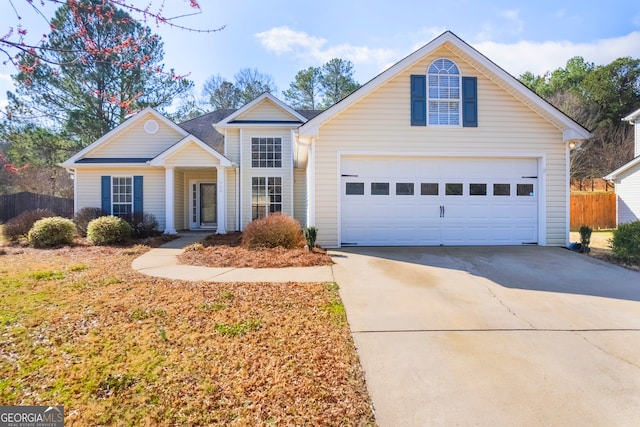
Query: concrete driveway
point(494, 336)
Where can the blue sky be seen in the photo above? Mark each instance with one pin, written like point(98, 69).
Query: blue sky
point(281, 37)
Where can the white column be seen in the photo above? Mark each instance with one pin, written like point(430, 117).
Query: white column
point(169, 204)
point(222, 200)
point(311, 185)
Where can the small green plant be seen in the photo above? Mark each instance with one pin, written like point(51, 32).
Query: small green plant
point(212, 306)
point(310, 235)
point(19, 226)
point(53, 231)
point(108, 230)
point(163, 334)
point(140, 314)
point(47, 275)
point(79, 267)
point(274, 231)
point(237, 329)
point(115, 383)
point(226, 294)
point(585, 238)
point(625, 243)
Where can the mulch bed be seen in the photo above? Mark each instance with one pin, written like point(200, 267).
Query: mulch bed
point(226, 250)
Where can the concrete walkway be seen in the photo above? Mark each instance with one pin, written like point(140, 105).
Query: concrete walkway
point(163, 262)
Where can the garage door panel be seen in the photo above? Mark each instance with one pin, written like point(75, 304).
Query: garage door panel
point(417, 206)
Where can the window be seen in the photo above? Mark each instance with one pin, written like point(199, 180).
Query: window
point(501, 189)
point(355, 188)
point(477, 189)
point(429, 189)
point(266, 196)
point(122, 196)
point(443, 93)
point(524, 189)
point(404, 188)
point(379, 188)
point(266, 152)
point(453, 189)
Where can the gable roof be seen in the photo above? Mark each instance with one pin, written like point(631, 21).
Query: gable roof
point(233, 120)
point(633, 116)
point(571, 129)
point(202, 128)
point(161, 158)
point(119, 130)
point(623, 169)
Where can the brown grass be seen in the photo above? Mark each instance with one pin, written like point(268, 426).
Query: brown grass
point(226, 251)
point(80, 328)
point(601, 249)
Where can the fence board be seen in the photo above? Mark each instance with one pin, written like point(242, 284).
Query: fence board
point(12, 205)
point(597, 210)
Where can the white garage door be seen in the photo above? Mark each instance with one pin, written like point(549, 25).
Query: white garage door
point(438, 201)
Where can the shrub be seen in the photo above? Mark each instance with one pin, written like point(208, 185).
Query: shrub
point(53, 231)
point(20, 225)
point(585, 238)
point(143, 225)
point(107, 230)
point(273, 231)
point(626, 241)
point(84, 216)
point(310, 235)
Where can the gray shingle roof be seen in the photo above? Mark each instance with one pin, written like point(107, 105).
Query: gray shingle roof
point(202, 127)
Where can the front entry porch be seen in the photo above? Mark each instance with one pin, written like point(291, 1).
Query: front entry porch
point(195, 195)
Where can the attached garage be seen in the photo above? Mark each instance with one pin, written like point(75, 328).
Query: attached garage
point(404, 201)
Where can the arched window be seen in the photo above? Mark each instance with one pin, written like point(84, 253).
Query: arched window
point(443, 93)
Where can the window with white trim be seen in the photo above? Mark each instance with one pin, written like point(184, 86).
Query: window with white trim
point(443, 93)
point(122, 195)
point(266, 196)
point(266, 152)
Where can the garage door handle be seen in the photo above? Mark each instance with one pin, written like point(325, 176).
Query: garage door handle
point(441, 211)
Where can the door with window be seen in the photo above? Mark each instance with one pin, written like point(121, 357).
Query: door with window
point(202, 205)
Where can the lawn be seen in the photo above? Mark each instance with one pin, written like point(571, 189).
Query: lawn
point(601, 248)
point(79, 327)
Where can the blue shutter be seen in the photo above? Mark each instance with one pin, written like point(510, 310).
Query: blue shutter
point(469, 102)
point(106, 195)
point(418, 100)
point(137, 195)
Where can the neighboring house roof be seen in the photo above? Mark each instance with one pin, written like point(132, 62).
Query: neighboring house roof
point(624, 169)
point(633, 116)
point(570, 129)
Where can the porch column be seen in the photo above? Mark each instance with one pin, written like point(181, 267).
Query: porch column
point(169, 204)
point(222, 200)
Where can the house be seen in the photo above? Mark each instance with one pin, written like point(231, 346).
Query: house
point(627, 179)
point(442, 148)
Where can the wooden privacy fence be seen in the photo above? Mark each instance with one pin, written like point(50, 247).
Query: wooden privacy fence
point(12, 205)
point(597, 210)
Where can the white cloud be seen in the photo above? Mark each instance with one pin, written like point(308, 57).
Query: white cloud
point(540, 57)
point(284, 40)
point(513, 16)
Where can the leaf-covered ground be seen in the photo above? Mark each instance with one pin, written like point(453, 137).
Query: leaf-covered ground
point(225, 251)
point(78, 327)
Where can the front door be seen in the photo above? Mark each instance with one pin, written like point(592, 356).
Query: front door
point(203, 208)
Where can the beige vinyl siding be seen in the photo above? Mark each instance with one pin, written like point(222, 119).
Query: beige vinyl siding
point(135, 142)
point(285, 172)
point(628, 191)
point(300, 196)
point(231, 200)
point(266, 110)
point(380, 123)
point(180, 201)
point(88, 188)
point(232, 142)
point(192, 155)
